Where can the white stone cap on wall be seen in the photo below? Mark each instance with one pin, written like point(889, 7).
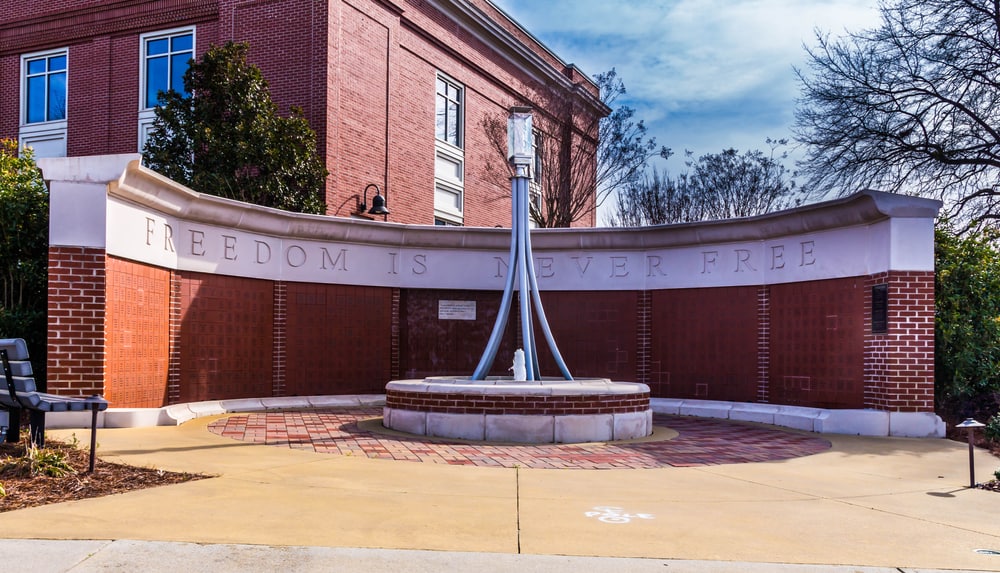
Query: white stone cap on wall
point(149, 218)
point(78, 196)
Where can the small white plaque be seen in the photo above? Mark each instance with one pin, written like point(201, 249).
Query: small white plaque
point(456, 310)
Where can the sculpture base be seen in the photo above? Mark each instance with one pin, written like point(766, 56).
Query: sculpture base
point(546, 411)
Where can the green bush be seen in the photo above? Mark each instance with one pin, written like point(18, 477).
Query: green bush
point(24, 247)
point(967, 322)
point(227, 138)
point(992, 429)
point(37, 461)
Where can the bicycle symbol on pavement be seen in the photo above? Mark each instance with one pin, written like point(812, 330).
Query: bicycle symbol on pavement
point(607, 514)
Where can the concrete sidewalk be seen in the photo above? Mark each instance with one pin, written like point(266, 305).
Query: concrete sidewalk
point(867, 504)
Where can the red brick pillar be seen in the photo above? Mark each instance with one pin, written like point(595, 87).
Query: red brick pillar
point(899, 363)
point(394, 333)
point(644, 336)
point(280, 334)
point(76, 307)
point(764, 344)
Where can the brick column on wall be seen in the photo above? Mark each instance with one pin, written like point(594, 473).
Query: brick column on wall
point(394, 334)
point(76, 309)
point(763, 343)
point(644, 336)
point(280, 326)
point(899, 364)
point(174, 354)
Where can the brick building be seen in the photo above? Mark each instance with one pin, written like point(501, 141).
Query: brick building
point(396, 90)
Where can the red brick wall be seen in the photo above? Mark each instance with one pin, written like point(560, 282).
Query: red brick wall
point(76, 348)
point(704, 344)
point(899, 364)
point(362, 70)
point(225, 337)
point(595, 332)
point(103, 42)
point(817, 343)
point(434, 347)
point(137, 334)
point(360, 113)
point(339, 339)
point(145, 336)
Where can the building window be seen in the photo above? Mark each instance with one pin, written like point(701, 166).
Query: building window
point(43, 102)
point(448, 112)
point(536, 154)
point(163, 59)
point(535, 185)
point(449, 156)
point(45, 88)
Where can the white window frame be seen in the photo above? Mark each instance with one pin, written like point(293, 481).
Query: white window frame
point(147, 115)
point(460, 87)
point(47, 137)
point(445, 186)
point(537, 166)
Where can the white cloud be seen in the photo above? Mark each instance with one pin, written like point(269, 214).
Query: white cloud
point(697, 71)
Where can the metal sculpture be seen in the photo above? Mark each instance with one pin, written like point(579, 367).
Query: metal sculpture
point(521, 268)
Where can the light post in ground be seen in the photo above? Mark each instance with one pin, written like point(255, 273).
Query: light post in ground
point(520, 268)
point(971, 425)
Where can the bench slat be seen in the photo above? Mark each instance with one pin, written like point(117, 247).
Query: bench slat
point(20, 368)
point(24, 384)
point(16, 348)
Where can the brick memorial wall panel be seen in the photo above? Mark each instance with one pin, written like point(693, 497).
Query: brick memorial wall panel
point(704, 344)
point(226, 326)
point(138, 334)
point(817, 343)
point(436, 343)
point(595, 333)
point(338, 339)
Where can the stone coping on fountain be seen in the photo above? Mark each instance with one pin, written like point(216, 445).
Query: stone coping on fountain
point(503, 410)
point(505, 385)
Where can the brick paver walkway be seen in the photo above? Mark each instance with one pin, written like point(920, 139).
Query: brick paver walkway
point(701, 441)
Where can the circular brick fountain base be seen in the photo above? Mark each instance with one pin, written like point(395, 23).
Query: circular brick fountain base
point(535, 412)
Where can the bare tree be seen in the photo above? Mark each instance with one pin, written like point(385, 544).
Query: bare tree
point(911, 106)
point(580, 161)
point(722, 185)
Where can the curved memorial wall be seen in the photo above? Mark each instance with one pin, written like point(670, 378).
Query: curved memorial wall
point(160, 295)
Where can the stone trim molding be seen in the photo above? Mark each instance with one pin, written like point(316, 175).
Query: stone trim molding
point(508, 404)
point(162, 223)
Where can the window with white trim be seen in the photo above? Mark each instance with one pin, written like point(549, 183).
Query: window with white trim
point(43, 102)
point(449, 155)
point(535, 184)
point(164, 57)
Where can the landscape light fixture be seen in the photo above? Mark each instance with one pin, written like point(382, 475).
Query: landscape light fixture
point(971, 425)
point(378, 201)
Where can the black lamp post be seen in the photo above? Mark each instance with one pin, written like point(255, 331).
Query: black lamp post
point(971, 425)
point(378, 201)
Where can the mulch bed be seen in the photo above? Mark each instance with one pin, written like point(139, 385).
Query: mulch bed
point(108, 478)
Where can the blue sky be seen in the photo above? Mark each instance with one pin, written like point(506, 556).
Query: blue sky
point(704, 75)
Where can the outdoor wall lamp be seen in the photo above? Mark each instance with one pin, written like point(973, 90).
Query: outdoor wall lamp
point(378, 201)
point(971, 425)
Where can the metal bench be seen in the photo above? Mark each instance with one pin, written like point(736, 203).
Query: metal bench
point(22, 394)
